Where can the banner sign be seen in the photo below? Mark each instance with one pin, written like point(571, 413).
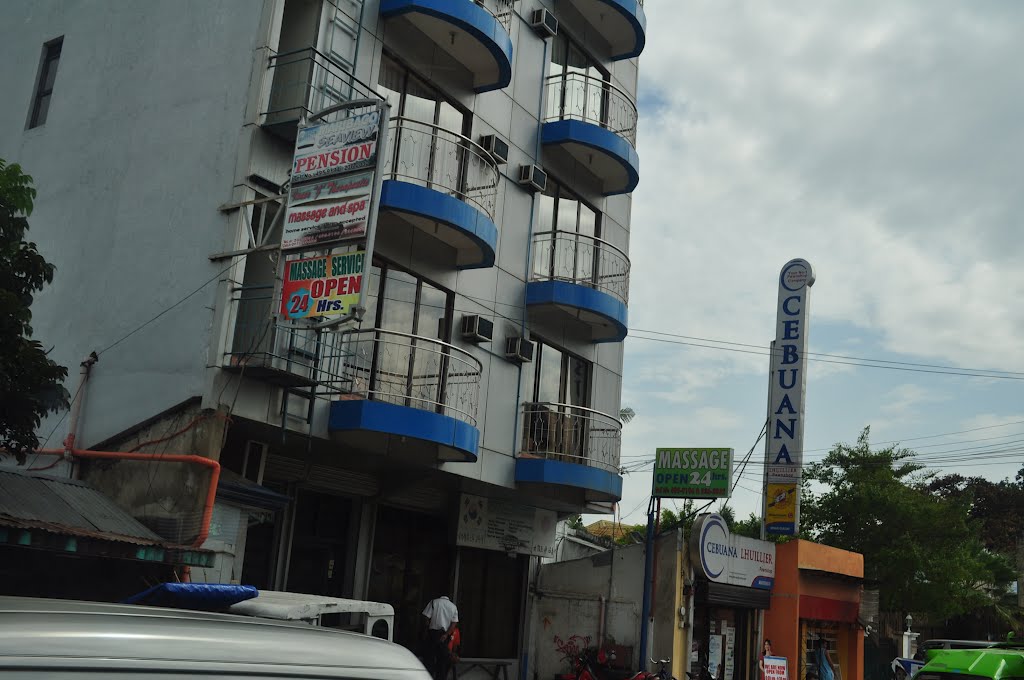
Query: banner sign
point(327, 212)
point(493, 524)
point(322, 287)
point(714, 654)
point(775, 668)
point(692, 473)
point(780, 510)
point(788, 384)
point(329, 149)
point(724, 558)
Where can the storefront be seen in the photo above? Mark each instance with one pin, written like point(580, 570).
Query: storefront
point(816, 600)
point(733, 578)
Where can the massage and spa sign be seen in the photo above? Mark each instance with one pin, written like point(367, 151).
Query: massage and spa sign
point(784, 452)
point(330, 211)
point(494, 524)
point(725, 558)
point(703, 472)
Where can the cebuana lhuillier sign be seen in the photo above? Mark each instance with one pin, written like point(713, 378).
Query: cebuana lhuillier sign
point(788, 385)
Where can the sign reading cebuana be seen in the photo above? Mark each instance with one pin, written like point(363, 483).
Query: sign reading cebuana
point(693, 473)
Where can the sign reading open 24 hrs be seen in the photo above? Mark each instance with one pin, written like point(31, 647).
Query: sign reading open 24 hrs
point(322, 286)
point(725, 558)
point(692, 473)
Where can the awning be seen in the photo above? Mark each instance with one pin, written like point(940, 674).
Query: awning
point(234, 488)
point(724, 594)
point(69, 516)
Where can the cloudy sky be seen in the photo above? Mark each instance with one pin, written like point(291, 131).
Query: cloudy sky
point(882, 142)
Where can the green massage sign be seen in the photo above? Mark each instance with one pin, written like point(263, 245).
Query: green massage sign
point(703, 472)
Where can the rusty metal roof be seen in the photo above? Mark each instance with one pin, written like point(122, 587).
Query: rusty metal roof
point(66, 506)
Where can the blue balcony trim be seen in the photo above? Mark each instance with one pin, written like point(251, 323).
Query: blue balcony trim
point(416, 200)
point(405, 421)
point(601, 140)
point(471, 18)
point(543, 471)
point(633, 12)
point(580, 297)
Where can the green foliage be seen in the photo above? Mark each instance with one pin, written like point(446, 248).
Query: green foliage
point(30, 383)
point(749, 527)
point(921, 547)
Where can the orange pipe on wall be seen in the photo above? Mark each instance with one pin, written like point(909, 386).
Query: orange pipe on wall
point(211, 494)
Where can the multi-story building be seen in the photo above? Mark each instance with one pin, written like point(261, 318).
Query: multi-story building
point(489, 359)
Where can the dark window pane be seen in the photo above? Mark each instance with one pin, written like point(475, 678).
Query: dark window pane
point(578, 387)
point(42, 109)
point(399, 301)
point(51, 74)
point(433, 321)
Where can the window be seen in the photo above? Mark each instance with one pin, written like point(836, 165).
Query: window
point(574, 255)
point(44, 85)
point(557, 418)
point(401, 365)
point(578, 85)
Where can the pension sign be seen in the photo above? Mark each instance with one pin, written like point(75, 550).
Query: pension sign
point(701, 472)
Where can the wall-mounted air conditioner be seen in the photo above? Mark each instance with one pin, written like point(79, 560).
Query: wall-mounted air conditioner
point(496, 147)
point(533, 177)
point(518, 349)
point(544, 23)
point(476, 328)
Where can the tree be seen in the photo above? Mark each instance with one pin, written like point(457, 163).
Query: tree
point(920, 546)
point(31, 385)
point(749, 527)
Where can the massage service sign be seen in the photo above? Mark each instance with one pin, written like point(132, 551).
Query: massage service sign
point(330, 211)
point(324, 286)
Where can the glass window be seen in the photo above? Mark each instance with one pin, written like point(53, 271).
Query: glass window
point(578, 85)
point(560, 377)
point(44, 85)
point(560, 256)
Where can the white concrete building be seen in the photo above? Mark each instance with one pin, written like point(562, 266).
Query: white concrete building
point(155, 130)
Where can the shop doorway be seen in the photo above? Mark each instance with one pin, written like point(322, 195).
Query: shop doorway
point(320, 545)
point(411, 565)
point(834, 644)
point(724, 642)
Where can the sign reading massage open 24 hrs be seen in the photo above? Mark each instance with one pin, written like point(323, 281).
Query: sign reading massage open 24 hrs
point(703, 472)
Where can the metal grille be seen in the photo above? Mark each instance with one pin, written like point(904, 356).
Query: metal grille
point(581, 259)
point(573, 434)
point(306, 81)
point(442, 160)
point(577, 96)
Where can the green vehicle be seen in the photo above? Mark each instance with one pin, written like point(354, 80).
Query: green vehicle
point(1002, 661)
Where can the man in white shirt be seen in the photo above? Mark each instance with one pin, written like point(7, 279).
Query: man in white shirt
point(442, 617)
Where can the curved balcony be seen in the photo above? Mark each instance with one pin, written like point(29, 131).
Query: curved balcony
point(621, 24)
point(404, 395)
point(572, 451)
point(590, 128)
point(580, 283)
point(445, 185)
point(474, 34)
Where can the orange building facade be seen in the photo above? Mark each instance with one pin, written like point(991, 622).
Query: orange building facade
point(816, 595)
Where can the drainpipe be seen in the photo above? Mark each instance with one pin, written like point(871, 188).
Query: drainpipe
point(76, 404)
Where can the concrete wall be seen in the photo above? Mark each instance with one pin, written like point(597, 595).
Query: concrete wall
point(567, 599)
point(137, 153)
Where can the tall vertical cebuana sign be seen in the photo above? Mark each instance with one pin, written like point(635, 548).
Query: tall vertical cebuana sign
point(786, 401)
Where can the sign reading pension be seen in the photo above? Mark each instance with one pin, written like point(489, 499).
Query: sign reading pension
point(328, 211)
point(692, 473)
point(322, 286)
point(345, 145)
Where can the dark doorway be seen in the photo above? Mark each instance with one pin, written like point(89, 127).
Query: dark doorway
point(319, 544)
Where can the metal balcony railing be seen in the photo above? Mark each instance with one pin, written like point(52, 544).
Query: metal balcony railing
point(408, 370)
point(445, 161)
point(499, 9)
point(306, 81)
point(577, 96)
point(571, 434)
point(263, 347)
point(580, 259)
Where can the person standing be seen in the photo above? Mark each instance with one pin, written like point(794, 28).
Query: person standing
point(825, 671)
point(765, 651)
point(442, 618)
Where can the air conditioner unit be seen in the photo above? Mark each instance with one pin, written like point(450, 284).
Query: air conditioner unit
point(544, 23)
point(533, 177)
point(497, 147)
point(518, 349)
point(476, 328)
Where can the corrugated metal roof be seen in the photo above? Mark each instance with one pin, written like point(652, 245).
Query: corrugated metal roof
point(53, 503)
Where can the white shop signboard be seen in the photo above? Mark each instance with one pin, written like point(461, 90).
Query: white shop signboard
point(725, 558)
point(494, 524)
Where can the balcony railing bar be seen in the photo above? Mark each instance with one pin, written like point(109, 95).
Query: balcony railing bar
point(573, 434)
point(578, 96)
point(581, 259)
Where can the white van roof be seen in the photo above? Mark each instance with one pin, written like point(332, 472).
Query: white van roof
point(276, 604)
point(38, 634)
